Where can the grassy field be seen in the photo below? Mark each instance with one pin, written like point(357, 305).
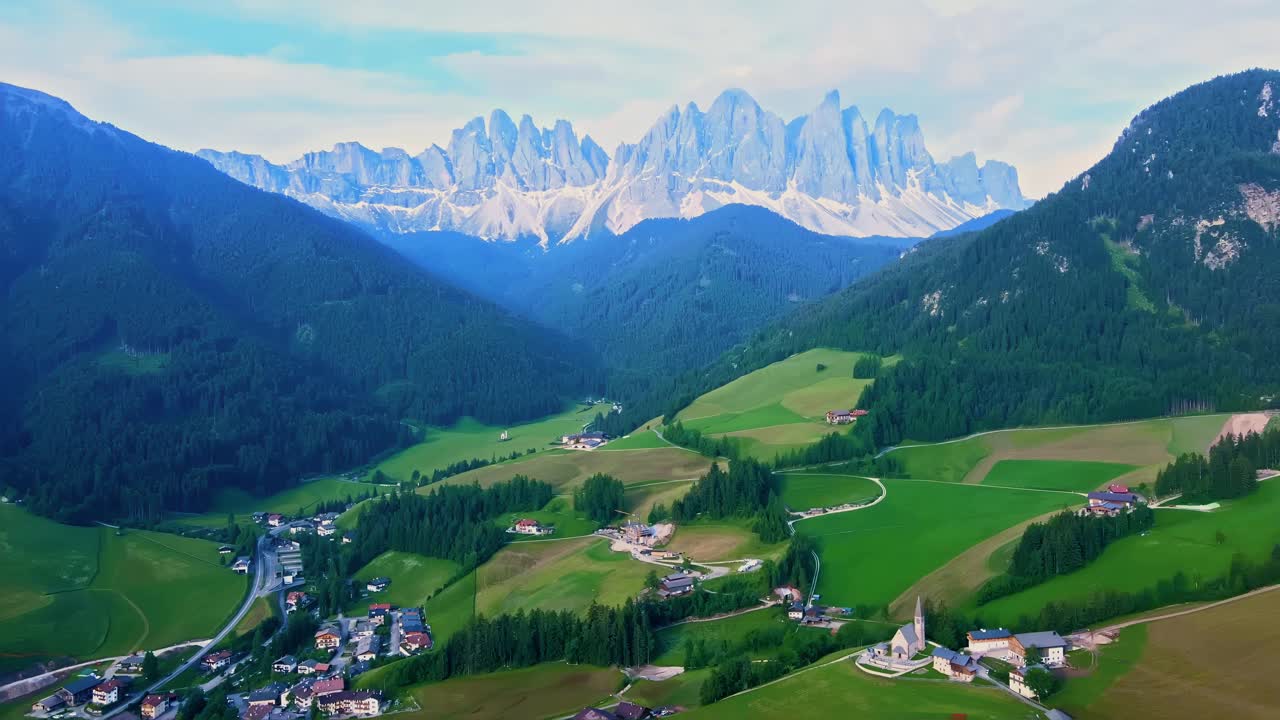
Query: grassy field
point(557, 575)
point(640, 499)
point(780, 407)
point(303, 497)
point(1070, 475)
point(681, 690)
point(637, 440)
point(258, 613)
point(801, 491)
point(413, 578)
point(1181, 540)
point(451, 610)
point(560, 513)
point(947, 461)
point(870, 556)
point(671, 641)
point(1175, 677)
point(717, 541)
point(1097, 673)
point(469, 439)
point(566, 469)
point(541, 691)
point(87, 592)
point(841, 690)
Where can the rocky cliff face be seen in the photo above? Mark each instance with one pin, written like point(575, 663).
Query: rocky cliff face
point(830, 171)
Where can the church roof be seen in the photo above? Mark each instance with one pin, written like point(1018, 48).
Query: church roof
point(908, 633)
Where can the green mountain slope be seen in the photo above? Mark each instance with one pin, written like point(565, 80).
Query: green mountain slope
point(167, 330)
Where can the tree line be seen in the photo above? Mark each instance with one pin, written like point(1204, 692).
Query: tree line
point(1230, 471)
point(1064, 544)
point(600, 498)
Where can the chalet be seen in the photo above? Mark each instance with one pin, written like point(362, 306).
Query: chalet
point(285, 665)
point(328, 638)
point(631, 711)
point(275, 519)
point(226, 550)
point(295, 600)
point(241, 565)
point(108, 692)
point(987, 641)
point(367, 648)
point(216, 661)
point(528, 526)
point(676, 584)
point(1018, 681)
point(795, 611)
point(956, 666)
point(321, 688)
point(415, 642)
point(131, 665)
point(48, 705)
point(378, 584)
point(1050, 646)
point(326, 529)
point(153, 706)
point(360, 702)
point(303, 695)
point(80, 691)
point(378, 612)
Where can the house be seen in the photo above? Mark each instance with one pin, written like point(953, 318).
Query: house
point(153, 706)
point(528, 526)
point(241, 565)
point(956, 666)
point(256, 712)
point(378, 584)
point(1050, 646)
point(595, 714)
point(328, 638)
point(360, 702)
point(1018, 681)
point(1106, 509)
point(363, 629)
point(581, 437)
point(1125, 500)
point(347, 538)
point(839, 417)
point(285, 665)
point(296, 599)
point(676, 584)
point(378, 612)
point(107, 692)
point(326, 529)
point(307, 667)
point(631, 711)
point(814, 614)
point(267, 696)
point(415, 642)
point(80, 691)
point(275, 519)
point(324, 687)
point(131, 665)
point(259, 517)
point(226, 550)
point(987, 641)
point(909, 639)
point(302, 695)
point(795, 611)
point(48, 705)
point(216, 661)
point(301, 527)
point(367, 648)
point(637, 532)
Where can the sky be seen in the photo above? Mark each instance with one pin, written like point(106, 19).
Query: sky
point(1045, 86)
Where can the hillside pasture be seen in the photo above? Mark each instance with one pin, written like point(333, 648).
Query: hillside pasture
point(414, 578)
point(640, 499)
point(557, 575)
point(871, 556)
point(559, 513)
point(1181, 540)
point(87, 592)
point(1068, 475)
point(567, 469)
point(637, 440)
point(801, 491)
point(302, 497)
point(722, 540)
point(542, 691)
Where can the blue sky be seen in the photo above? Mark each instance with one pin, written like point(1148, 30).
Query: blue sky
point(1046, 86)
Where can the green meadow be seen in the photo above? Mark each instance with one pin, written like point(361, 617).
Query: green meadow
point(300, 498)
point(87, 592)
point(671, 641)
point(637, 440)
point(801, 491)
point(840, 690)
point(468, 439)
point(557, 575)
point(542, 691)
point(949, 462)
point(560, 513)
point(1068, 475)
point(1182, 540)
point(414, 578)
point(682, 690)
point(870, 556)
point(567, 469)
point(452, 608)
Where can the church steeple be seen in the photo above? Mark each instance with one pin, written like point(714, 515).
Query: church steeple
point(919, 622)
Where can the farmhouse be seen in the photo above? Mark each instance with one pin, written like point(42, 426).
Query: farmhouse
point(296, 599)
point(241, 565)
point(215, 661)
point(584, 441)
point(367, 648)
point(326, 529)
point(47, 705)
point(108, 692)
point(153, 706)
point(986, 641)
point(285, 665)
point(527, 526)
point(328, 638)
point(676, 584)
point(1050, 646)
point(956, 666)
point(79, 691)
point(415, 642)
point(378, 584)
point(1125, 500)
point(275, 519)
point(361, 702)
point(795, 611)
point(844, 417)
point(131, 665)
point(1018, 681)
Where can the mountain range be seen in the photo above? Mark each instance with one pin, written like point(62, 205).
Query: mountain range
point(832, 171)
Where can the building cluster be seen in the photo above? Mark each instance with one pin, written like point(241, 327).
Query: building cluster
point(1115, 500)
point(327, 695)
point(584, 441)
point(844, 417)
point(677, 583)
point(622, 711)
point(91, 691)
point(529, 526)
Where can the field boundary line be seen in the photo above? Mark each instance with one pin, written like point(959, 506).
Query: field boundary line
point(180, 552)
point(993, 487)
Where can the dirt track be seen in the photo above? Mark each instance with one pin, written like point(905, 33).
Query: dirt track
point(1243, 424)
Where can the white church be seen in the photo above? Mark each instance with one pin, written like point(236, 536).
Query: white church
point(908, 641)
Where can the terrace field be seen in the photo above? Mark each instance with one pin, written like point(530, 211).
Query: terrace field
point(870, 556)
point(87, 592)
point(557, 575)
point(1181, 540)
point(413, 578)
point(801, 491)
point(838, 689)
point(468, 439)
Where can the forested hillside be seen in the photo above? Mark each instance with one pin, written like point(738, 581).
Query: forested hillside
point(168, 330)
point(666, 296)
point(1145, 286)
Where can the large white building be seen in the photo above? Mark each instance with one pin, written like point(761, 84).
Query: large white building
point(1051, 647)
